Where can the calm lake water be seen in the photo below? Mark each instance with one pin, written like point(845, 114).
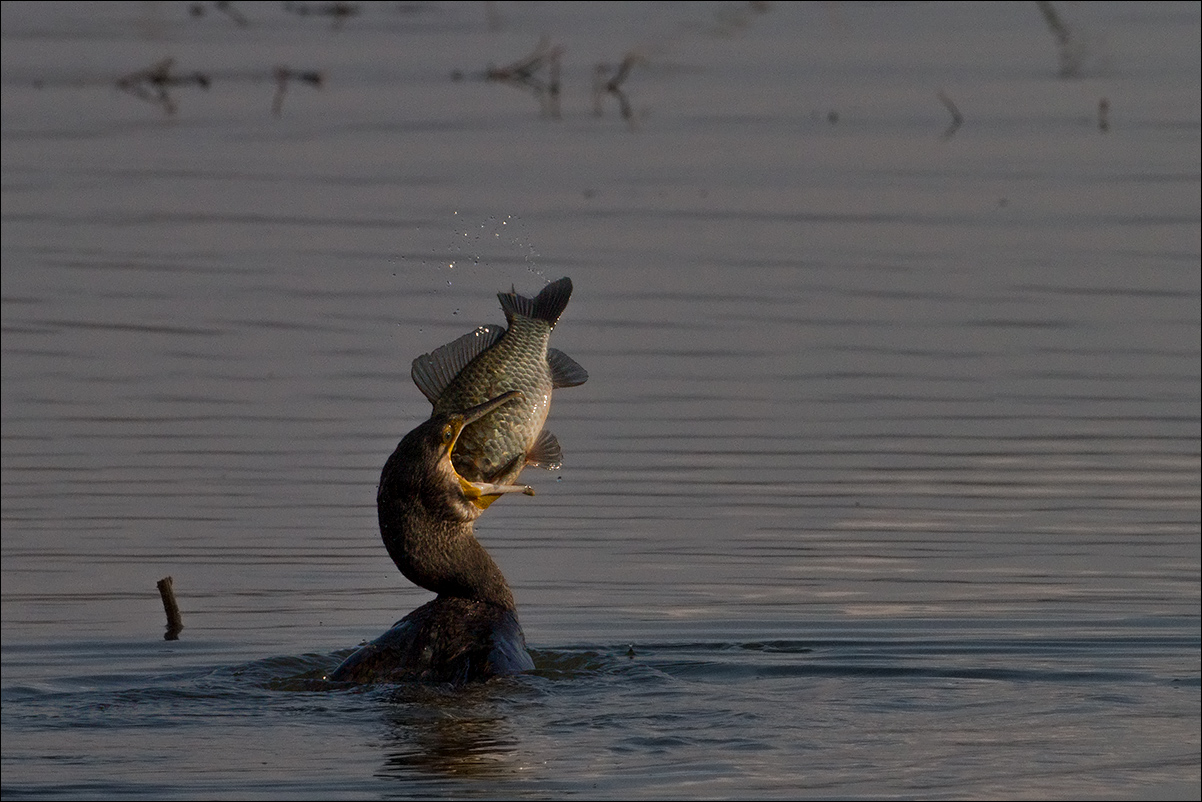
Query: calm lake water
point(885, 482)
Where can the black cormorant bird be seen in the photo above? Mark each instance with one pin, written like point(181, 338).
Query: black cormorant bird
point(470, 631)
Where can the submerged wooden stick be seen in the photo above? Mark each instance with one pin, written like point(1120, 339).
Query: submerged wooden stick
point(957, 118)
point(175, 622)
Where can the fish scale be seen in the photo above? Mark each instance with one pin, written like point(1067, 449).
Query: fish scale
point(492, 360)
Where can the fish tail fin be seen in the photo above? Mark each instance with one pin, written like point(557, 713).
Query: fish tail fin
point(548, 305)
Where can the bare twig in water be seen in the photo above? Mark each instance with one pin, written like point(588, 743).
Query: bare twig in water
point(175, 622)
point(1055, 24)
point(198, 10)
point(524, 68)
point(553, 84)
point(339, 11)
point(231, 12)
point(282, 76)
point(615, 83)
point(152, 84)
point(1066, 49)
point(604, 84)
point(957, 118)
point(523, 73)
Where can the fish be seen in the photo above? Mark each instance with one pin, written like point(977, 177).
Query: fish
point(492, 360)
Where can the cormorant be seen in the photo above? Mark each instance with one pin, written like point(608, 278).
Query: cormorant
point(470, 631)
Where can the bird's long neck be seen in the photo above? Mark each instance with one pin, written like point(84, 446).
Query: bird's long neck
point(433, 549)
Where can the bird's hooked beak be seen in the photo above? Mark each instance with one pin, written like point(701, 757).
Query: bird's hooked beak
point(458, 421)
point(481, 494)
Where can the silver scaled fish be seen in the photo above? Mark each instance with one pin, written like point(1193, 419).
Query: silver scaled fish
point(493, 360)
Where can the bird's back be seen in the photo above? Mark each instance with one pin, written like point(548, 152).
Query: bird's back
point(449, 640)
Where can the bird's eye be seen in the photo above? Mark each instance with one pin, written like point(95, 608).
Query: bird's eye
point(447, 431)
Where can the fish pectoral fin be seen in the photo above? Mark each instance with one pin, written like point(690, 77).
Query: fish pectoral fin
point(434, 372)
point(545, 453)
point(565, 371)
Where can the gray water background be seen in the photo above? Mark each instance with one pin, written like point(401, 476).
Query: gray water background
point(885, 482)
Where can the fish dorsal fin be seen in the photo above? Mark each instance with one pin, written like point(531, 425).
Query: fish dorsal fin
point(548, 305)
point(545, 453)
point(565, 371)
point(434, 372)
